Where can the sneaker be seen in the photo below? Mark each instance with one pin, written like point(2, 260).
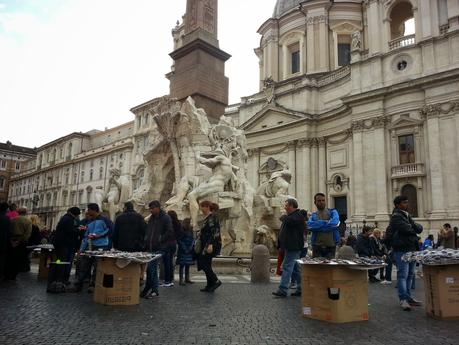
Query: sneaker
point(214, 287)
point(405, 305)
point(167, 285)
point(386, 282)
point(279, 294)
point(414, 303)
point(144, 293)
point(152, 295)
point(292, 286)
point(296, 294)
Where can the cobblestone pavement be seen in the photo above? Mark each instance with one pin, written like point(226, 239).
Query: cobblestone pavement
point(237, 313)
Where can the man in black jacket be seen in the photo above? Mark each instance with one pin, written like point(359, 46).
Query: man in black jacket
point(365, 249)
point(129, 231)
point(404, 239)
point(5, 228)
point(159, 232)
point(66, 238)
point(291, 240)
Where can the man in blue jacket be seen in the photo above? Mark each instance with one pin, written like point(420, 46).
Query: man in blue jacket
point(324, 225)
point(95, 238)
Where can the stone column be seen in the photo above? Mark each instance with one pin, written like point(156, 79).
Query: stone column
point(453, 15)
point(310, 59)
point(285, 71)
point(381, 173)
point(322, 166)
point(374, 27)
point(436, 176)
point(314, 169)
point(323, 43)
point(292, 167)
point(306, 167)
point(302, 55)
point(357, 181)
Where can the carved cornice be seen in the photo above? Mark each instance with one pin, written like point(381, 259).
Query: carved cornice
point(378, 122)
point(347, 134)
point(439, 109)
point(317, 19)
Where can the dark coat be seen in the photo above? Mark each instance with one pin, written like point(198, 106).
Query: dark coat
point(377, 248)
point(129, 232)
point(35, 238)
point(5, 228)
point(404, 232)
point(210, 234)
point(185, 251)
point(159, 232)
point(363, 246)
point(291, 235)
point(66, 234)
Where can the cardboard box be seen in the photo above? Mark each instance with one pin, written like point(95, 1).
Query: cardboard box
point(334, 293)
point(442, 291)
point(116, 286)
point(46, 257)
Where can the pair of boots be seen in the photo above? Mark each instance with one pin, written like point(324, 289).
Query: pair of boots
point(185, 281)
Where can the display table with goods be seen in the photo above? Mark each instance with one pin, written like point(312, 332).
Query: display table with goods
point(336, 290)
point(118, 276)
point(441, 281)
point(46, 256)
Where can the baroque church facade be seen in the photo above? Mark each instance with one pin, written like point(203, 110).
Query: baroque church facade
point(360, 101)
point(357, 99)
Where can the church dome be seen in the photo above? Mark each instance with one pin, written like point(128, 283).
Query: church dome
point(283, 6)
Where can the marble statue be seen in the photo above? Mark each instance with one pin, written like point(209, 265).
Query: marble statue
point(356, 42)
point(115, 195)
point(191, 160)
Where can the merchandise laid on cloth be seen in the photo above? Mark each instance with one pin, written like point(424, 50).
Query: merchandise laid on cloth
point(336, 290)
point(433, 257)
point(118, 276)
point(371, 263)
point(441, 281)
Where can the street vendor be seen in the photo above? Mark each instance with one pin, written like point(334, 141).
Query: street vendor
point(96, 238)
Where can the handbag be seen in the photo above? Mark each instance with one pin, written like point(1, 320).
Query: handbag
point(197, 245)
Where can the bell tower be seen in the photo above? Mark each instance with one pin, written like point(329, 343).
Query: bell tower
point(199, 63)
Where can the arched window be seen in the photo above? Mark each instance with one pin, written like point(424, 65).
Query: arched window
point(402, 20)
point(2, 183)
point(410, 192)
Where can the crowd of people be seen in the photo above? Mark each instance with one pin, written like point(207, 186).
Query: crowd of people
point(160, 233)
point(163, 233)
point(401, 236)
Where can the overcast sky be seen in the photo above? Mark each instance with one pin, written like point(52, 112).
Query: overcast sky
point(77, 65)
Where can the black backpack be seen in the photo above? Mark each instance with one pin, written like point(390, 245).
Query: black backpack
point(388, 238)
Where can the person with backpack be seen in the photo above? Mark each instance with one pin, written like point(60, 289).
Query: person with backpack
point(404, 233)
point(185, 252)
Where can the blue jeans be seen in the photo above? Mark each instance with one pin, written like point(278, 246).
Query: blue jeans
point(290, 269)
point(168, 261)
point(152, 282)
point(405, 276)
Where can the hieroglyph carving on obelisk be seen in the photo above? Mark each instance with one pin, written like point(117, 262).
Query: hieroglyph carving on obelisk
point(201, 14)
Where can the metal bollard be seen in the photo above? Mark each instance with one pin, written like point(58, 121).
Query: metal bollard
point(260, 269)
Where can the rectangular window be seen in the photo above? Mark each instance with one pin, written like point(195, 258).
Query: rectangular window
point(406, 149)
point(2, 182)
point(344, 54)
point(18, 166)
point(2, 164)
point(295, 62)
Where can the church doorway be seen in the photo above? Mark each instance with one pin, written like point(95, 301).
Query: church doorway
point(410, 192)
point(340, 203)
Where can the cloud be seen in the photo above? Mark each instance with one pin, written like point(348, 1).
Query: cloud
point(82, 64)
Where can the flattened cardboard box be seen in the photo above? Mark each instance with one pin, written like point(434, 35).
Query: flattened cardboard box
point(442, 291)
point(116, 286)
point(334, 294)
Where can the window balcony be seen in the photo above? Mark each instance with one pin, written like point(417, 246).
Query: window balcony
point(408, 170)
point(404, 41)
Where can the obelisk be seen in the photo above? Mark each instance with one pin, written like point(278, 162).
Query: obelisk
point(199, 68)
